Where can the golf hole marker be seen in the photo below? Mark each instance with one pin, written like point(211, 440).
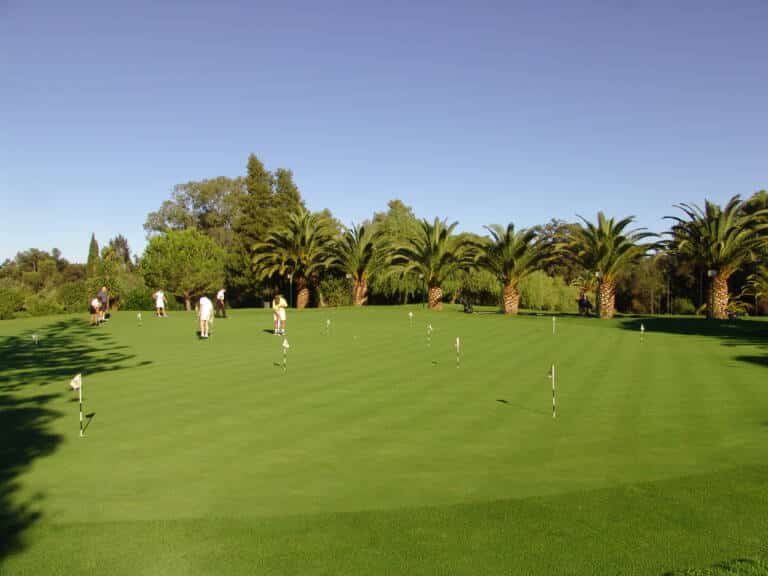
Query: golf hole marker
point(553, 325)
point(458, 351)
point(285, 347)
point(552, 376)
point(327, 326)
point(410, 319)
point(77, 384)
point(429, 335)
point(642, 332)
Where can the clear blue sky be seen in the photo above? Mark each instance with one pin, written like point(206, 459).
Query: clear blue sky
point(476, 111)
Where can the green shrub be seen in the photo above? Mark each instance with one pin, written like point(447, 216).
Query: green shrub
point(138, 299)
point(683, 306)
point(11, 301)
point(73, 297)
point(541, 292)
point(336, 291)
point(42, 305)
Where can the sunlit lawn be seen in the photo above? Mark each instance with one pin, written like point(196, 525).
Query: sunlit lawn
point(375, 452)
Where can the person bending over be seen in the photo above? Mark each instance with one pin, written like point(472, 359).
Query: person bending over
point(205, 313)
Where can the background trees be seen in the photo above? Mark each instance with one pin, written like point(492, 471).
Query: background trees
point(357, 254)
point(510, 256)
point(433, 254)
point(266, 239)
point(298, 251)
point(719, 240)
point(394, 226)
point(608, 249)
point(185, 263)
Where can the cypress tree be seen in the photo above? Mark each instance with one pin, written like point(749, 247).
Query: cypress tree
point(92, 266)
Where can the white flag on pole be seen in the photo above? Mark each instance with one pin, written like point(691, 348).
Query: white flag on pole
point(76, 382)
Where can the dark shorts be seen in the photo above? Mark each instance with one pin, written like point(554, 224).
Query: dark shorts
point(92, 309)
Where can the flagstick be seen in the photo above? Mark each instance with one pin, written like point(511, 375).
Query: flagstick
point(80, 395)
point(429, 335)
point(458, 352)
point(554, 402)
point(285, 354)
point(642, 332)
point(553, 325)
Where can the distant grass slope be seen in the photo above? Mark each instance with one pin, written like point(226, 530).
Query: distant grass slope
point(375, 453)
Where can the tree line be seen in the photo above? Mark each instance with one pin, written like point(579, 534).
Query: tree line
point(254, 236)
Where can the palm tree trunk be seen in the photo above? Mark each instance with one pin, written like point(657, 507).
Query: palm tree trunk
point(511, 300)
point(607, 298)
point(719, 297)
point(435, 298)
point(302, 293)
point(360, 292)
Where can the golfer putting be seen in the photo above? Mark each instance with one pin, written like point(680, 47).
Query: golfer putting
point(205, 314)
point(278, 314)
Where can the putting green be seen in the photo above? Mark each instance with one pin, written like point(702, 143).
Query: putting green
point(374, 452)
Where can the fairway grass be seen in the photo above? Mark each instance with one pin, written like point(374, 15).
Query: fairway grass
point(374, 453)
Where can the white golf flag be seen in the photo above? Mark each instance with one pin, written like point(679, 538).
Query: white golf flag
point(76, 382)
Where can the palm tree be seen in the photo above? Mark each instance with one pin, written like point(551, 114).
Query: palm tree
point(298, 250)
point(719, 240)
point(357, 256)
point(510, 256)
point(433, 254)
point(757, 283)
point(606, 249)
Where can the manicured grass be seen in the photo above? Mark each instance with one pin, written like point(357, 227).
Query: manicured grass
point(375, 453)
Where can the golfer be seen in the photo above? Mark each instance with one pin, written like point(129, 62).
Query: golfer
point(220, 303)
point(94, 309)
point(103, 297)
point(205, 314)
point(160, 301)
point(278, 314)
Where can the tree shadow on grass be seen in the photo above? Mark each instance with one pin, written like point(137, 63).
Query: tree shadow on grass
point(735, 567)
point(759, 360)
point(730, 332)
point(33, 376)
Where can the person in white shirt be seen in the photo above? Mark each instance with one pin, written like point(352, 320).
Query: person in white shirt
point(205, 313)
point(95, 309)
point(278, 314)
point(160, 301)
point(220, 303)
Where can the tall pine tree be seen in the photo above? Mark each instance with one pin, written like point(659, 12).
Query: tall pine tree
point(257, 212)
point(253, 223)
point(92, 265)
point(287, 196)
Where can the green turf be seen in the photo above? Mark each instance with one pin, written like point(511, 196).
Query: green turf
point(375, 453)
